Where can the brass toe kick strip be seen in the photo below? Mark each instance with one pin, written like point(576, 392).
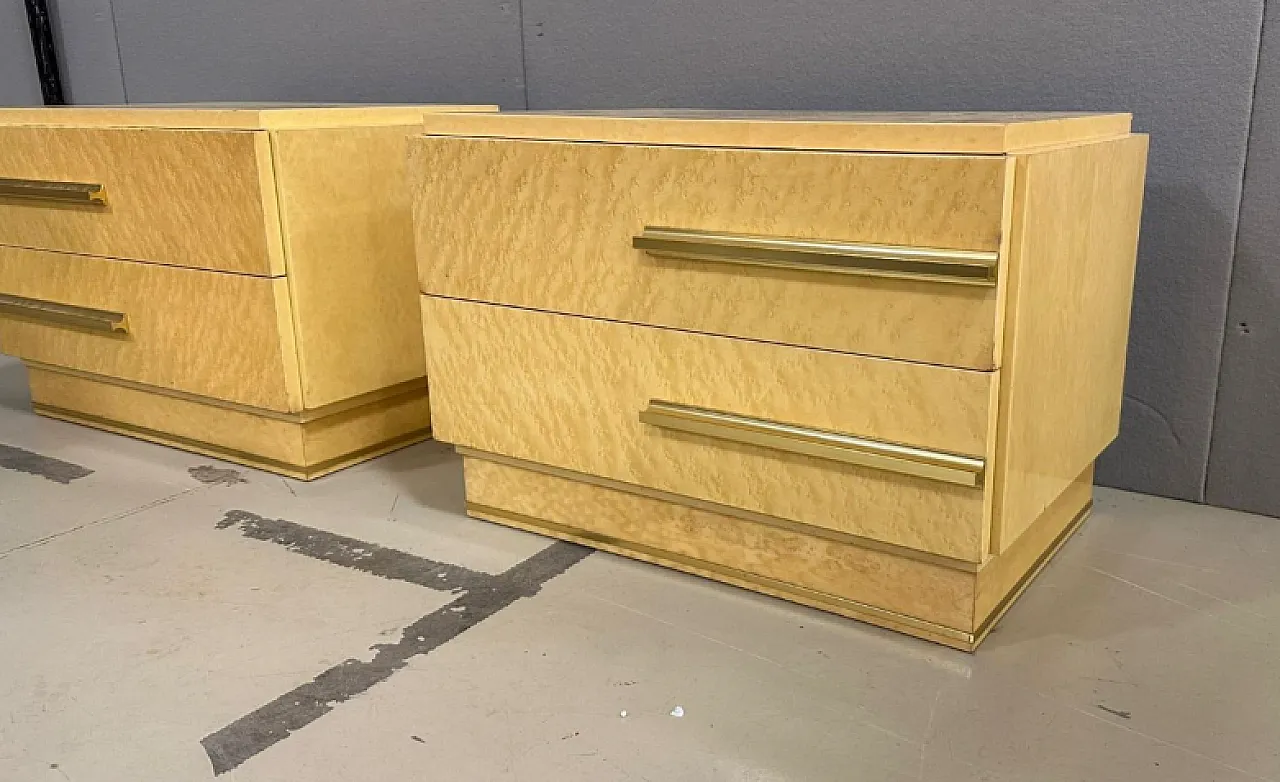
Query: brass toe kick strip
point(873, 614)
point(391, 395)
point(67, 315)
point(962, 267)
point(74, 193)
point(1041, 562)
point(753, 517)
point(299, 471)
point(890, 457)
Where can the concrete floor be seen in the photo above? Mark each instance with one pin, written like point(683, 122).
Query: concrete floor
point(164, 616)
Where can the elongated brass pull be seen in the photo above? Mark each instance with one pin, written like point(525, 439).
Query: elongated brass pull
point(57, 314)
point(963, 267)
point(81, 193)
point(891, 457)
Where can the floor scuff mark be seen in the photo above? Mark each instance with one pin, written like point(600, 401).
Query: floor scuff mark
point(482, 596)
point(216, 476)
point(47, 467)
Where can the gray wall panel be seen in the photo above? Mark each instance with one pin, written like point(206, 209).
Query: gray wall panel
point(87, 46)
point(1244, 468)
point(19, 84)
point(1185, 68)
point(321, 50)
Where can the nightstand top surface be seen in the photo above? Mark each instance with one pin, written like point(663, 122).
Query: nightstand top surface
point(990, 133)
point(230, 116)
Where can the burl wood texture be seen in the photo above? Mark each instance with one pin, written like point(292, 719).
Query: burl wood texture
point(184, 423)
point(566, 391)
point(195, 331)
point(925, 591)
point(937, 132)
point(549, 226)
point(182, 198)
point(1076, 223)
point(344, 202)
point(301, 450)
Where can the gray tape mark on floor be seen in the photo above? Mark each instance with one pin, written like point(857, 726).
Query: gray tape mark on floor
point(56, 470)
point(216, 476)
point(276, 721)
point(355, 554)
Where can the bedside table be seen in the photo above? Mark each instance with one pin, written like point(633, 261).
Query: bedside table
point(235, 280)
point(864, 362)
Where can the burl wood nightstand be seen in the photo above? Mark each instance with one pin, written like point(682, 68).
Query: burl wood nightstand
point(233, 280)
point(864, 362)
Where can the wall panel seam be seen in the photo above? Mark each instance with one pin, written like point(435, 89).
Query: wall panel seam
point(1231, 258)
point(115, 33)
point(524, 62)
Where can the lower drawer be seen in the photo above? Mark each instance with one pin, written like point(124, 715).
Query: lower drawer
point(873, 448)
point(206, 333)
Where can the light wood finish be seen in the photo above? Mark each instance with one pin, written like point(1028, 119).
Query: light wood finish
point(934, 132)
point(550, 226)
point(231, 116)
point(928, 600)
point(182, 198)
point(334, 438)
point(1003, 577)
point(723, 510)
point(235, 279)
point(568, 392)
point(1071, 282)
point(184, 421)
point(344, 200)
point(934, 593)
point(195, 331)
point(734, 401)
point(299, 449)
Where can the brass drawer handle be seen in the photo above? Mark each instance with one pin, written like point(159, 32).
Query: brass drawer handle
point(891, 457)
point(57, 314)
point(962, 267)
point(80, 193)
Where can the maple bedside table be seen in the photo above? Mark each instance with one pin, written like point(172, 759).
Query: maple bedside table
point(864, 362)
point(236, 280)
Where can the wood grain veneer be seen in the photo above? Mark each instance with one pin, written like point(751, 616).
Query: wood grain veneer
point(550, 226)
point(1071, 284)
point(182, 198)
point(765, 388)
point(196, 331)
point(568, 392)
point(236, 279)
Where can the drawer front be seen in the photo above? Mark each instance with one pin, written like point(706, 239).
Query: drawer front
point(888, 450)
point(198, 198)
point(889, 255)
point(197, 332)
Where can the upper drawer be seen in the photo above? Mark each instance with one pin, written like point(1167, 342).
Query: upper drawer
point(199, 198)
point(889, 450)
point(889, 255)
point(185, 330)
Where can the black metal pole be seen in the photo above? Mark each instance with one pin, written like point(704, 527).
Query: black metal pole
point(46, 52)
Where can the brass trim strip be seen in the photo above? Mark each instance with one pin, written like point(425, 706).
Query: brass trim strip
point(891, 457)
point(65, 315)
point(874, 614)
point(300, 471)
point(77, 193)
point(787, 525)
point(394, 393)
point(961, 267)
point(1005, 604)
point(390, 394)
